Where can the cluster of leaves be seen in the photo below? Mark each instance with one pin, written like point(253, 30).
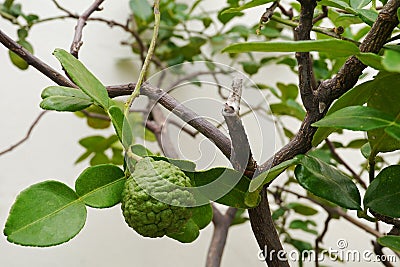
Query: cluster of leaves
point(371, 107)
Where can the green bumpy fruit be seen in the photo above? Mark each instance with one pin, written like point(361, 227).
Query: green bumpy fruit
point(154, 200)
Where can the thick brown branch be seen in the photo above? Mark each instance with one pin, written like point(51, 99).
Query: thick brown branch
point(307, 82)
point(77, 42)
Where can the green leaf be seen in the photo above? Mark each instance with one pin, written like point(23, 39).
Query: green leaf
point(189, 233)
point(239, 217)
point(302, 209)
point(45, 214)
point(100, 186)
point(383, 194)
point(141, 9)
point(393, 131)
point(64, 99)
point(333, 47)
point(118, 119)
point(303, 225)
point(327, 182)
point(99, 158)
point(17, 60)
point(390, 241)
point(288, 108)
point(288, 91)
point(202, 215)
point(335, 3)
point(357, 118)
point(368, 16)
point(83, 77)
point(356, 96)
point(356, 4)
point(141, 150)
point(222, 185)
point(266, 177)
point(391, 60)
point(372, 60)
point(226, 17)
point(248, 5)
point(386, 99)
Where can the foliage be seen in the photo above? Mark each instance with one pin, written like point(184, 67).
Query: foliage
point(370, 107)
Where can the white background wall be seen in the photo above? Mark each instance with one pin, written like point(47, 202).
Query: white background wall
point(52, 149)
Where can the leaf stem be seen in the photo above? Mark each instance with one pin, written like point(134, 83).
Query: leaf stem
point(147, 60)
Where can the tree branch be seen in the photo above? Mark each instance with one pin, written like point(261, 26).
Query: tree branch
point(28, 134)
point(77, 42)
point(221, 222)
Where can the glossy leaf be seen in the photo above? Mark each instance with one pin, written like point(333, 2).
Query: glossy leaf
point(356, 4)
point(391, 60)
point(330, 46)
point(327, 182)
point(222, 185)
point(64, 99)
point(368, 16)
point(101, 186)
point(356, 96)
point(372, 60)
point(356, 118)
point(383, 194)
point(390, 241)
point(266, 177)
point(202, 215)
point(248, 5)
point(83, 77)
point(386, 99)
point(45, 214)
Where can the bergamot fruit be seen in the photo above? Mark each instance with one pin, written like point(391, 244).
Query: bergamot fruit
point(155, 201)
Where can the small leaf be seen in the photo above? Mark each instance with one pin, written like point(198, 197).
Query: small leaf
point(100, 186)
point(17, 60)
point(266, 177)
point(383, 194)
point(356, 118)
point(327, 182)
point(248, 5)
point(302, 209)
point(368, 16)
point(390, 241)
point(303, 225)
point(83, 77)
point(202, 215)
point(65, 103)
point(239, 217)
point(189, 233)
point(45, 214)
point(141, 9)
point(340, 47)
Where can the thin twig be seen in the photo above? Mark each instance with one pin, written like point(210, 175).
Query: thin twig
point(321, 16)
point(77, 42)
point(347, 166)
point(28, 134)
point(146, 63)
point(320, 238)
point(379, 252)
